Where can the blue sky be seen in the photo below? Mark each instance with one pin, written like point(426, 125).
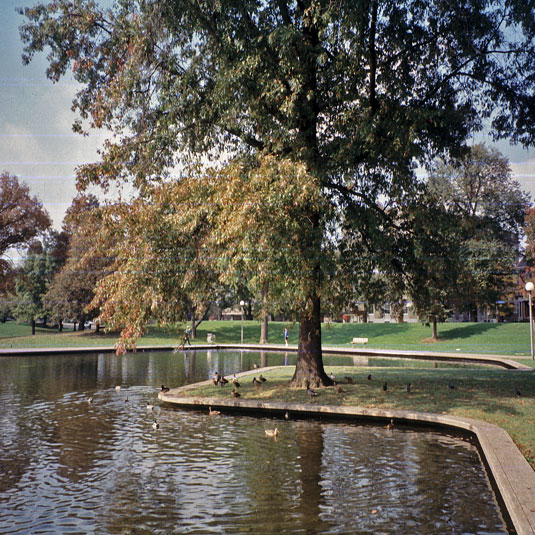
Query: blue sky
point(38, 145)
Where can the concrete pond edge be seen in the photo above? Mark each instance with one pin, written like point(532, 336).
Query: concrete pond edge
point(511, 474)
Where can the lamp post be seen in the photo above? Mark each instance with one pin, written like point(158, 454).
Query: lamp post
point(529, 288)
point(242, 304)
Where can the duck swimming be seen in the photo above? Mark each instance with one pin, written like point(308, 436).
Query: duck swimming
point(271, 432)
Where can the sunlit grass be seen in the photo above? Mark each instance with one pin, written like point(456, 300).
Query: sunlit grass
point(492, 338)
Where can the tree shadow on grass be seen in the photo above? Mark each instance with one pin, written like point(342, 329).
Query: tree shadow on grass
point(466, 330)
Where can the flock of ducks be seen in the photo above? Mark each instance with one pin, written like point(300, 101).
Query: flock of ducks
point(221, 381)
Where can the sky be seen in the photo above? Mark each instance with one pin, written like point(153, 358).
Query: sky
point(36, 140)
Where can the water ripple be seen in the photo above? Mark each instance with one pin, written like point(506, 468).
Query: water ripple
point(72, 467)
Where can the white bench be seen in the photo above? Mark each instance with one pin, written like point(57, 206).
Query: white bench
point(359, 341)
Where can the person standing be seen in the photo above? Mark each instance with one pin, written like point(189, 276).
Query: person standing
point(286, 334)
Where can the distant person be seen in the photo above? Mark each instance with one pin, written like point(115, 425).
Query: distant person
point(286, 334)
point(187, 335)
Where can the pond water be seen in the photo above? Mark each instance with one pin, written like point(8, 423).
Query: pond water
point(68, 466)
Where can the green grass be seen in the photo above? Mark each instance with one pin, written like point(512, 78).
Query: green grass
point(483, 394)
point(492, 338)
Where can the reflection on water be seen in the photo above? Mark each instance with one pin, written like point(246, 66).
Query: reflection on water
point(71, 466)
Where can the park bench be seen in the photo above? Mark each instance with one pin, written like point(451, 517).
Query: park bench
point(359, 341)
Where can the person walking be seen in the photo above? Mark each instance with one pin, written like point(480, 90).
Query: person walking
point(187, 336)
point(286, 334)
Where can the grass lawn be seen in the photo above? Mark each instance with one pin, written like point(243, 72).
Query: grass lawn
point(484, 394)
point(493, 338)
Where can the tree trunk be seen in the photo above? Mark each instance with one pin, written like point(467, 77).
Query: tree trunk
point(33, 327)
point(309, 366)
point(434, 322)
point(60, 326)
point(264, 327)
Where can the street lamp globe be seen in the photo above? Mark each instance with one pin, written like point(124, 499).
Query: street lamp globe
point(529, 286)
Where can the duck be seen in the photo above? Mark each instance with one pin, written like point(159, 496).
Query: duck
point(310, 392)
point(155, 425)
point(409, 388)
point(235, 394)
point(332, 376)
point(255, 366)
point(369, 377)
point(349, 380)
point(390, 426)
point(213, 413)
point(214, 381)
point(256, 382)
point(150, 406)
point(90, 399)
point(223, 381)
point(338, 389)
point(118, 387)
point(216, 377)
point(261, 378)
point(235, 382)
point(451, 386)
point(164, 389)
point(385, 387)
point(272, 432)
point(518, 393)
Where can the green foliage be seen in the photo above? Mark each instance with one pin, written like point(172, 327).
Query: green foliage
point(490, 207)
point(353, 93)
point(33, 281)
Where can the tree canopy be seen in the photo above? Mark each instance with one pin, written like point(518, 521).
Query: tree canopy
point(357, 92)
point(490, 207)
point(22, 217)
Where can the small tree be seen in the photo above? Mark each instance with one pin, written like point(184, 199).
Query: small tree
point(32, 282)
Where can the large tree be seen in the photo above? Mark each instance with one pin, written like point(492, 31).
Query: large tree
point(356, 91)
point(479, 190)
